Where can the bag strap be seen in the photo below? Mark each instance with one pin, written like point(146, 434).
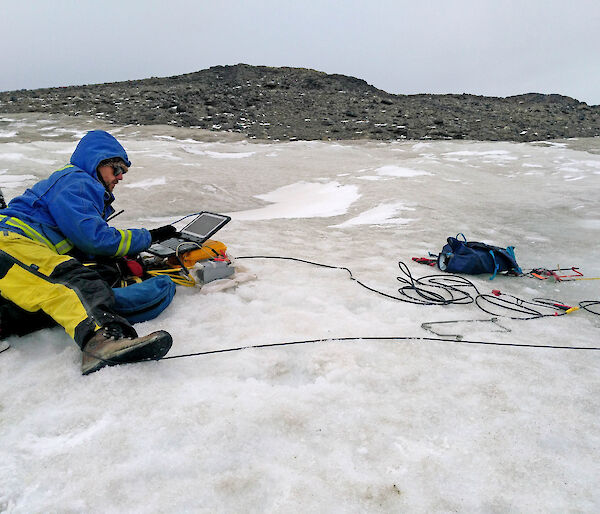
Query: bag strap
point(496, 266)
point(511, 251)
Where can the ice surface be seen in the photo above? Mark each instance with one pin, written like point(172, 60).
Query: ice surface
point(355, 426)
point(15, 181)
point(379, 215)
point(11, 156)
point(303, 200)
point(397, 171)
point(217, 155)
point(146, 184)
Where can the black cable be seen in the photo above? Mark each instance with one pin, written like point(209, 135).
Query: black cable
point(586, 304)
point(454, 287)
point(443, 289)
point(446, 289)
point(512, 303)
point(400, 338)
point(451, 292)
point(342, 339)
point(436, 289)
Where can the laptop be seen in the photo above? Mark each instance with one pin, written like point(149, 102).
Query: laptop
point(191, 236)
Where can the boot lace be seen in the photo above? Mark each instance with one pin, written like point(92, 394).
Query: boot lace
point(113, 331)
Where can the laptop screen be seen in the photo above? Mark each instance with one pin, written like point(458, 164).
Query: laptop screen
point(206, 224)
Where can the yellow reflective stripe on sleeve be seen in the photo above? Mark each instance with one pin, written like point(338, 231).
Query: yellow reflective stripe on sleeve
point(125, 244)
point(61, 247)
point(64, 246)
point(65, 167)
point(120, 249)
point(128, 245)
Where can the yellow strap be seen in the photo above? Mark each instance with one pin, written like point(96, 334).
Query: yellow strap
point(175, 275)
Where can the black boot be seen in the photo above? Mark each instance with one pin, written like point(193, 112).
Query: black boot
point(109, 346)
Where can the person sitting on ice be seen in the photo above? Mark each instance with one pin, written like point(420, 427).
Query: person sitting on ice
point(62, 216)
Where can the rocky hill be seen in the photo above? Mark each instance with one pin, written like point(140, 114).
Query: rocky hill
point(296, 103)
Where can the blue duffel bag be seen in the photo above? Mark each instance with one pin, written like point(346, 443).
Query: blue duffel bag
point(145, 300)
point(474, 258)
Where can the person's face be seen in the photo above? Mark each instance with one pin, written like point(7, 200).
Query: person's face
point(108, 171)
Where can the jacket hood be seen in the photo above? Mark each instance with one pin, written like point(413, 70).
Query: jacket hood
point(94, 147)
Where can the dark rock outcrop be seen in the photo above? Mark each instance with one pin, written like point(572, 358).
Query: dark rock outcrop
point(296, 103)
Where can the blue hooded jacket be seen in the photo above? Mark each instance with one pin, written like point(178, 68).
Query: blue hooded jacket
point(69, 209)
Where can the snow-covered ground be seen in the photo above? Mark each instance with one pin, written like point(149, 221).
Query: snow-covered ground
point(354, 426)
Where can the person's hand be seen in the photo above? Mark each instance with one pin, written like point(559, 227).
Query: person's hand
point(162, 233)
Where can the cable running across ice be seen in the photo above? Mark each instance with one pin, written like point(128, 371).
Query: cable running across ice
point(448, 289)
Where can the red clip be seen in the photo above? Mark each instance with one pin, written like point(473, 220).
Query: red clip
point(424, 260)
point(222, 258)
point(496, 292)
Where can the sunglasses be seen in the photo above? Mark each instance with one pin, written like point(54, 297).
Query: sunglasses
point(118, 170)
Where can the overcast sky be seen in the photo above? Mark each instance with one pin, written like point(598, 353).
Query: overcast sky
point(487, 47)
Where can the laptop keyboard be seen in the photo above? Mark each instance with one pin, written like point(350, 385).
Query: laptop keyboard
point(182, 244)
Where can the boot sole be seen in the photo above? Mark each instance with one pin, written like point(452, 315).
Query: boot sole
point(151, 347)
